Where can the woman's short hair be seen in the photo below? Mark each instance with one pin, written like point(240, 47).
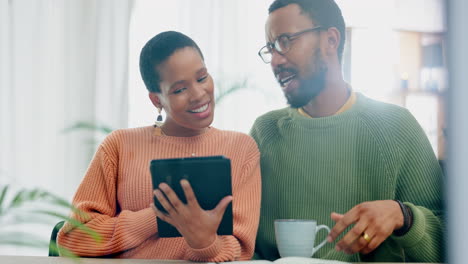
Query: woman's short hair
point(156, 51)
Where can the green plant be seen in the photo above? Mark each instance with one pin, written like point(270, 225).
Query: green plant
point(93, 140)
point(34, 206)
point(102, 130)
point(86, 125)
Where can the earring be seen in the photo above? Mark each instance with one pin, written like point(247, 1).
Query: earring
point(158, 124)
point(159, 119)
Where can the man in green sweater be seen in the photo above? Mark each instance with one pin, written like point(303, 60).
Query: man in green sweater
point(360, 166)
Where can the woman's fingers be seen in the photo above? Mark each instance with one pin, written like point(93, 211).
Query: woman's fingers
point(171, 196)
point(189, 194)
point(162, 215)
point(222, 205)
point(164, 202)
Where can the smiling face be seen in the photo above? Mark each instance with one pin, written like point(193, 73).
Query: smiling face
point(186, 93)
point(302, 71)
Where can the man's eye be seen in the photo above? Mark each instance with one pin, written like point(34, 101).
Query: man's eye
point(179, 90)
point(283, 43)
point(202, 78)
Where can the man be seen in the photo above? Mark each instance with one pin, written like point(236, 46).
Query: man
point(360, 166)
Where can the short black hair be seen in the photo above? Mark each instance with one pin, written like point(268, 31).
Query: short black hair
point(325, 13)
point(156, 51)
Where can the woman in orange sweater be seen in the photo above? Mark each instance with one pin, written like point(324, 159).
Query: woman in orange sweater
point(116, 192)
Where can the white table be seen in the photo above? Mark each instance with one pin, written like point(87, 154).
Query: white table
point(60, 260)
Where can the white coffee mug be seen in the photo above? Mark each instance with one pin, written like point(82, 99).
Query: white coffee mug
point(296, 237)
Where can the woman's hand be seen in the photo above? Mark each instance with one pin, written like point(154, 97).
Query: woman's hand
point(196, 225)
point(373, 223)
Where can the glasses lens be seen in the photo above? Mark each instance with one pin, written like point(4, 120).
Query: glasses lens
point(282, 44)
point(265, 54)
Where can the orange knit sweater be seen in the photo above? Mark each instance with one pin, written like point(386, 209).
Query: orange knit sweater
point(116, 193)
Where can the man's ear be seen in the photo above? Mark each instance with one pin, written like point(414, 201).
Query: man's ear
point(333, 40)
point(154, 97)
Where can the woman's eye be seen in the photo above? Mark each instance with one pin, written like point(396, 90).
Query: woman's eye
point(179, 90)
point(203, 78)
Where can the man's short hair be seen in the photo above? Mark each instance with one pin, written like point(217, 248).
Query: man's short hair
point(325, 13)
point(156, 51)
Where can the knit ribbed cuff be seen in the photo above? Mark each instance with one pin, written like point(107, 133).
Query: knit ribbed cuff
point(142, 224)
point(417, 230)
point(208, 252)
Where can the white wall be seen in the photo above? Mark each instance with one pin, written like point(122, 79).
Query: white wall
point(406, 15)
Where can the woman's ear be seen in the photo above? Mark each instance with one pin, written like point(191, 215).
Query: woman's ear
point(154, 97)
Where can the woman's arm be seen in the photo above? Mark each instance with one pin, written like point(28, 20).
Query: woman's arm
point(96, 199)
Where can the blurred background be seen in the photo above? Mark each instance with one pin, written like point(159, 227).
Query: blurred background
point(69, 74)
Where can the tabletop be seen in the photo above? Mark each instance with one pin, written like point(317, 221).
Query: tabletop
point(61, 260)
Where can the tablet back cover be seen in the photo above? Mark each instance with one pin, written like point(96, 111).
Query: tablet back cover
point(210, 178)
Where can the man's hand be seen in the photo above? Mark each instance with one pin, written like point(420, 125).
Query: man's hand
point(196, 225)
point(377, 219)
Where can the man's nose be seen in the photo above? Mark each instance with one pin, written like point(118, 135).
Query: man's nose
point(277, 59)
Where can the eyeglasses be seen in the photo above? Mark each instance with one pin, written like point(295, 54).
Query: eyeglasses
point(282, 44)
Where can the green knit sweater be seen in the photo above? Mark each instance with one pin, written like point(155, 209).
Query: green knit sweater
point(374, 151)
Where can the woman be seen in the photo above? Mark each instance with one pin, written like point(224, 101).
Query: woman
point(116, 192)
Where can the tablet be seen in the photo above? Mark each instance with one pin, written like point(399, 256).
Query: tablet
point(210, 178)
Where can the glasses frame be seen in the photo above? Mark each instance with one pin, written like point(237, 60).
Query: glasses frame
point(270, 46)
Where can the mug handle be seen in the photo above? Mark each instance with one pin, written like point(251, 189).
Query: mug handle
point(324, 241)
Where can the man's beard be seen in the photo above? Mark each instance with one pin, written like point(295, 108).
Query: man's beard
point(310, 87)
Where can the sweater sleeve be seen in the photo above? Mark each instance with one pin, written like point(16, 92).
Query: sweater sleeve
point(96, 200)
point(246, 213)
point(419, 185)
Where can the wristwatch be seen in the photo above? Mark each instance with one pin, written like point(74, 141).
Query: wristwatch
point(407, 219)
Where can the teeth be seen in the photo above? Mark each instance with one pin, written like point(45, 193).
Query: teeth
point(201, 109)
point(287, 80)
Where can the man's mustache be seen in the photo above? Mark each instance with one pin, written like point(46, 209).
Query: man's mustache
point(281, 69)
